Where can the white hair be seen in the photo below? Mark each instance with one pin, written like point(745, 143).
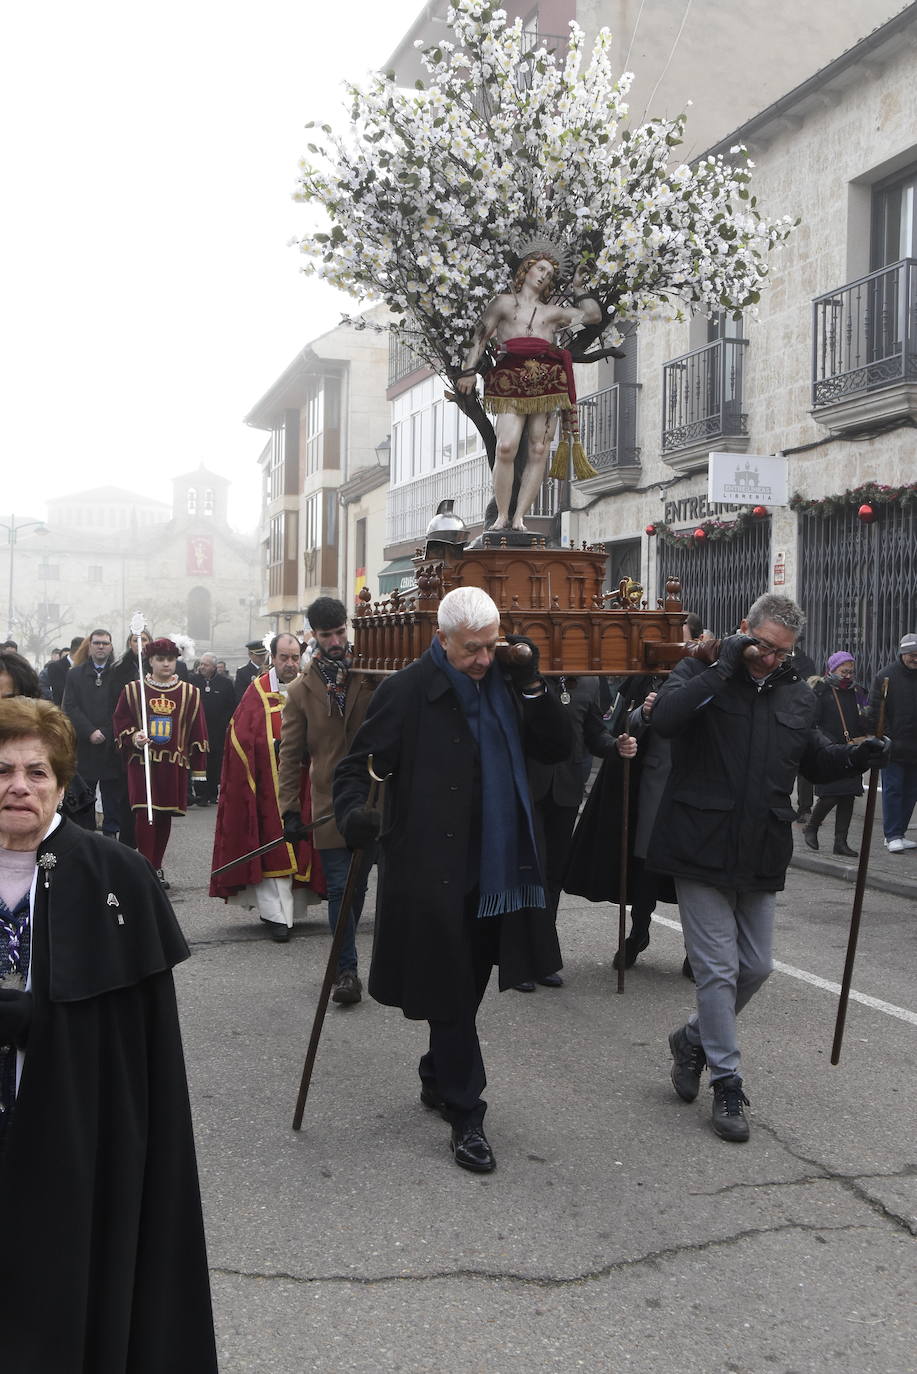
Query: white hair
point(466, 608)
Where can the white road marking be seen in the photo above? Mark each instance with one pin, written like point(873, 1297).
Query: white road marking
point(876, 1003)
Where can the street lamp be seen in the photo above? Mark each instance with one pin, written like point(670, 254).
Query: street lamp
point(13, 531)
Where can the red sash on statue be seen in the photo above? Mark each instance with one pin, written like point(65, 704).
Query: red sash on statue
point(531, 376)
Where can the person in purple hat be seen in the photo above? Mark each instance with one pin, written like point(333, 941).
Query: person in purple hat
point(839, 717)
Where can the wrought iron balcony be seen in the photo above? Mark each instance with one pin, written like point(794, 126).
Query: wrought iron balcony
point(402, 360)
point(608, 427)
point(702, 396)
point(865, 338)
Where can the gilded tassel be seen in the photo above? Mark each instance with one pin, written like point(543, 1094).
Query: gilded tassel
point(582, 468)
point(561, 464)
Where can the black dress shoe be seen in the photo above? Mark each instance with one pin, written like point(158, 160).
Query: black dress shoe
point(430, 1097)
point(279, 931)
point(551, 980)
point(523, 987)
point(471, 1149)
point(843, 848)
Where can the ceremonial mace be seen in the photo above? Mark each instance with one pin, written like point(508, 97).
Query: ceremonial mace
point(860, 889)
point(356, 873)
point(138, 625)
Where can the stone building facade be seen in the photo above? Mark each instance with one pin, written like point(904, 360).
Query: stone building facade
point(106, 552)
point(324, 468)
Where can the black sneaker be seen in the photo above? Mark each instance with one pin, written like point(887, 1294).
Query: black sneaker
point(729, 1120)
point(348, 989)
point(689, 1063)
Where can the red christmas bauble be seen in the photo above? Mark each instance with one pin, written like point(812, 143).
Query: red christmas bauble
point(700, 535)
point(759, 512)
point(650, 529)
point(866, 514)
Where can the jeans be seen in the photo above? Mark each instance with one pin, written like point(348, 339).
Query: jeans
point(336, 863)
point(728, 936)
point(899, 797)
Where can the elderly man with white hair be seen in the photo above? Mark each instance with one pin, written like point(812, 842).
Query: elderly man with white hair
point(460, 886)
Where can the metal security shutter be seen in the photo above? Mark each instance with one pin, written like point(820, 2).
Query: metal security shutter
point(858, 584)
point(719, 579)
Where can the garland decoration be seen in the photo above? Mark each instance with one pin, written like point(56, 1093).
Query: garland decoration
point(869, 494)
point(708, 531)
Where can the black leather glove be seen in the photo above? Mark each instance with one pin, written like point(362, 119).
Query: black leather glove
point(730, 656)
point(522, 668)
point(15, 1016)
point(869, 753)
point(293, 828)
point(361, 827)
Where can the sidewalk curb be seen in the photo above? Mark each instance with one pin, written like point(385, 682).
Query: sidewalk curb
point(846, 872)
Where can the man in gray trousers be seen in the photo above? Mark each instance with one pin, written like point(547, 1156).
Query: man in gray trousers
point(741, 729)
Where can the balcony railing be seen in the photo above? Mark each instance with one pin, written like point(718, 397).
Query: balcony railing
point(608, 426)
point(402, 360)
point(412, 506)
point(865, 334)
point(702, 395)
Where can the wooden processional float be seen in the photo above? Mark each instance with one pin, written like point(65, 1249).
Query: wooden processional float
point(553, 596)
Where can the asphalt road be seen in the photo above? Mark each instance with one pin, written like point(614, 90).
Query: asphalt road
point(618, 1232)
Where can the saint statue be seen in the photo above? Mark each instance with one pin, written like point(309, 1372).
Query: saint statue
point(532, 380)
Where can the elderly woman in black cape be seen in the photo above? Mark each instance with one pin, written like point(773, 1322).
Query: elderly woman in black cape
point(103, 1262)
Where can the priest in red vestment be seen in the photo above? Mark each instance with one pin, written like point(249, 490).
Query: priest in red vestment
point(283, 881)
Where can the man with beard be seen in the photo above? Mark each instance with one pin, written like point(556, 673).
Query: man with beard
point(219, 698)
point(324, 709)
point(278, 882)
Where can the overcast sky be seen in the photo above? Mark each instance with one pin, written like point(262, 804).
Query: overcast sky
point(150, 297)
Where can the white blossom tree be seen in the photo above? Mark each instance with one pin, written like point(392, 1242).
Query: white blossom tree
point(429, 192)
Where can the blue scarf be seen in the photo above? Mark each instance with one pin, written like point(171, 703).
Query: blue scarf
point(509, 876)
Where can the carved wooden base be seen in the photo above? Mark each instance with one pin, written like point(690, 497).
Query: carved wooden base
point(554, 596)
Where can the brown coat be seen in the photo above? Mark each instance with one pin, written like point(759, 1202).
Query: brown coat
point(309, 728)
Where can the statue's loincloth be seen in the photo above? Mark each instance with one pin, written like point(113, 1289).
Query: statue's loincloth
point(531, 377)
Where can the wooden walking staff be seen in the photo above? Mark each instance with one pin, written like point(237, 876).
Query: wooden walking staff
point(622, 869)
point(359, 866)
point(862, 866)
point(138, 625)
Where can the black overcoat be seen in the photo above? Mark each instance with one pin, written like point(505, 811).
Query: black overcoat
point(91, 708)
point(416, 730)
point(836, 710)
point(726, 815)
point(103, 1235)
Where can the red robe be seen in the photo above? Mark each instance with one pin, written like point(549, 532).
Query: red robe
point(248, 814)
point(176, 725)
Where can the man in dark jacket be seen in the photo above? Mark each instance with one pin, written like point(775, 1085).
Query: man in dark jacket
point(58, 670)
point(256, 665)
point(741, 729)
point(90, 696)
point(460, 887)
point(219, 698)
point(899, 776)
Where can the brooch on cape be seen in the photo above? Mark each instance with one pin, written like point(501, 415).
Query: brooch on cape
point(112, 900)
point(48, 862)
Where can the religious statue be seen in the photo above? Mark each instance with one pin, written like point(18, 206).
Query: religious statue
point(532, 380)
